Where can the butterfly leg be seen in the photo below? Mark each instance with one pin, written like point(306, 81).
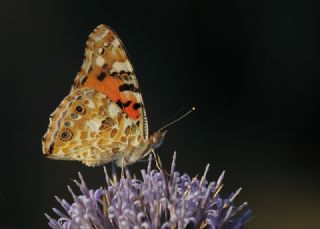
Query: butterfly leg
point(123, 165)
point(157, 160)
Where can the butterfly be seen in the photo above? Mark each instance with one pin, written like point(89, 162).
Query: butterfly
point(103, 118)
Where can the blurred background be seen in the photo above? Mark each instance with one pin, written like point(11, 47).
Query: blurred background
point(251, 68)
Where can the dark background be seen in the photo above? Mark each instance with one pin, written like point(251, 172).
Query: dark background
point(250, 67)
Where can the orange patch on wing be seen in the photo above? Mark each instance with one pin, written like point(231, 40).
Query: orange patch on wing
point(130, 96)
point(110, 87)
point(133, 114)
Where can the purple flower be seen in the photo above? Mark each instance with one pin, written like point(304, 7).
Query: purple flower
point(158, 200)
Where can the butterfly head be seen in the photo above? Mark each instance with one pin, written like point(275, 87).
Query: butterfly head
point(157, 138)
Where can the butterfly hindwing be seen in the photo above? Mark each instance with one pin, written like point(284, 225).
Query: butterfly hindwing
point(90, 127)
point(107, 69)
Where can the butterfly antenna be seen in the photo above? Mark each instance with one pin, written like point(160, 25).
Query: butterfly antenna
point(178, 119)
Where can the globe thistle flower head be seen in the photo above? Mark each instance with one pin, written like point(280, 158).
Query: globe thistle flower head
point(157, 200)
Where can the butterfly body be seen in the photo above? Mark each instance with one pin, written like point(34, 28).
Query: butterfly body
point(103, 119)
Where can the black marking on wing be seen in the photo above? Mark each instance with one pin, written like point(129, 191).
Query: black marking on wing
point(119, 103)
point(120, 73)
point(128, 87)
point(51, 148)
point(136, 106)
point(101, 76)
point(127, 103)
point(84, 79)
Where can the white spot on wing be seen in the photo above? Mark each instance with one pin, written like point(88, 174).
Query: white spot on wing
point(121, 66)
point(90, 104)
point(87, 62)
point(99, 61)
point(93, 125)
point(100, 36)
point(126, 123)
point(115, 42)
point(100, 50)
point(113, 110)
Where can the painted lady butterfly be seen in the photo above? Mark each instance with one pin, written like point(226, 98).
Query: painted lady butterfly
point(103, 119)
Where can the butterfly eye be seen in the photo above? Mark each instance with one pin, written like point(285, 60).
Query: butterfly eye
point(80, 109)
point(65, 135)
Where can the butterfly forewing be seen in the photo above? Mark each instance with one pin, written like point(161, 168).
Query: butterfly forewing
point(107, 69)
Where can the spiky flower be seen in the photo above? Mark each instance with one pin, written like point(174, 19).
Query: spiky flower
point(158, 200)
